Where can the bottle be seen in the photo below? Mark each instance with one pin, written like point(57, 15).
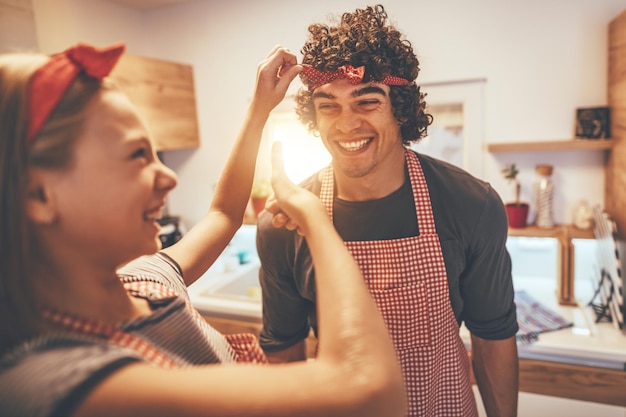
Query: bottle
point(544, 191)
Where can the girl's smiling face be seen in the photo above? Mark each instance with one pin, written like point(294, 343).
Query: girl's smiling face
point(110, 198)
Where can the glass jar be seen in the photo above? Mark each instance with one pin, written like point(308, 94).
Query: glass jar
point(544, 192)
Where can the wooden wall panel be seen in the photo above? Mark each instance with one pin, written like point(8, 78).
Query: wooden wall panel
point(164, 94)
point(583, 383)
point(17, 27)
point(615, 195)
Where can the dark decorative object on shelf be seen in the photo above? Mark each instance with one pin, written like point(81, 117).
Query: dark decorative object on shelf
point(593, 123)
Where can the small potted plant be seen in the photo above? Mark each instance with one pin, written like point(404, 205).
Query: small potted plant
point(261, 190)
point(517, 211)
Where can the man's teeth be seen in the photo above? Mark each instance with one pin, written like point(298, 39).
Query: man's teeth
point(354, 146)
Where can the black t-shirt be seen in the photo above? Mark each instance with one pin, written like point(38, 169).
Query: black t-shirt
point(472, 226)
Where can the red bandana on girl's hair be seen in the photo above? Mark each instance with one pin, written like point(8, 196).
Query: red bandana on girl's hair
point(354, 75)
point(49, 83)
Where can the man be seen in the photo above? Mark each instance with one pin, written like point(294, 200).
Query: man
point(429, 238)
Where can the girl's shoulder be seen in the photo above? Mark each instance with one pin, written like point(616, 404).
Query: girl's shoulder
point(43, 376)
point(157, 273)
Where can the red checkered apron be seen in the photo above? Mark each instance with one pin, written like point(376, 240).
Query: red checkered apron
point(407, 278)
point(245, 347)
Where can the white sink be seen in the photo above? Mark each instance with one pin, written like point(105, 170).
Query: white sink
point(230, 289)
point(230, 292)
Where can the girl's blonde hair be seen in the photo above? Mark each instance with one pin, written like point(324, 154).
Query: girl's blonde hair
point(51, 149)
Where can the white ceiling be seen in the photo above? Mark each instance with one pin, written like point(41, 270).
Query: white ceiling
point(148, 4)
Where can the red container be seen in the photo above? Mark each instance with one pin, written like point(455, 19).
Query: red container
point(517, 214)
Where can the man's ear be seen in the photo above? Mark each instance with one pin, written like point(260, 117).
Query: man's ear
point(40, 207)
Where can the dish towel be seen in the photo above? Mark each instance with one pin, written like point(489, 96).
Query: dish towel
point(534, 318)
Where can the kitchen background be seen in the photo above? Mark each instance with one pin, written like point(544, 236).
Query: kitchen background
point(520, 70)
point(537, 61)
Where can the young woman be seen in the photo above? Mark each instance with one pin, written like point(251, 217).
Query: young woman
point(95, 317)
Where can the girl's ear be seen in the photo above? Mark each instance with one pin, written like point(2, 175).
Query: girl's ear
point(40, 207)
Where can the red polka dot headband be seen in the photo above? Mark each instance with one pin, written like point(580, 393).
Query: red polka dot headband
point(51, 81)
point(354, 75)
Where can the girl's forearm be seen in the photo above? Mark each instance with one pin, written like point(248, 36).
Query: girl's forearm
point(352, 332)
point(234, 185)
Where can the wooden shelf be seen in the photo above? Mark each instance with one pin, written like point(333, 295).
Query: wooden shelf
point(552, 145)
point(558, 231)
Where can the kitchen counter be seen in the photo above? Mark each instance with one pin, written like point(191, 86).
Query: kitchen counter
point(584, 362)
point(232, 291)
point(586, 343)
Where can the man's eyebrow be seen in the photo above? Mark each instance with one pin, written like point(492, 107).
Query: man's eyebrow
point(370, 89)
point(318, 94)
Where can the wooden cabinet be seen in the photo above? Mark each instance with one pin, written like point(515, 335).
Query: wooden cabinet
point(615, 192)
point(565, 255)
point(585, 383)
point(575, 382)
point(164, 94)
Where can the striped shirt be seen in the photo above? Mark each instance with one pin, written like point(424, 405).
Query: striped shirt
point(52, 374)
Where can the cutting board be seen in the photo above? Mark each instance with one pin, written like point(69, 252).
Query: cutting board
point(164, 94)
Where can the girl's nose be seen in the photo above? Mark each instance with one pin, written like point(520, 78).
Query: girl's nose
point(166, 178)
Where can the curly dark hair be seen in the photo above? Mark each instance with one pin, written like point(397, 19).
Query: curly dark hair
point(364, 38)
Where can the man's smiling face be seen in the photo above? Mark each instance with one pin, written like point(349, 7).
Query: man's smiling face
point(357, 126)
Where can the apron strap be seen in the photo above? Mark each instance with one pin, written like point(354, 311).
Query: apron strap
point(421, 196)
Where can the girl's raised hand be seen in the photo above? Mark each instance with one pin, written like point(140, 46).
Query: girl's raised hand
point(274, 74)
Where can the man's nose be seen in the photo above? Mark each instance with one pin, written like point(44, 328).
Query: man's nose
point(348, 121)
